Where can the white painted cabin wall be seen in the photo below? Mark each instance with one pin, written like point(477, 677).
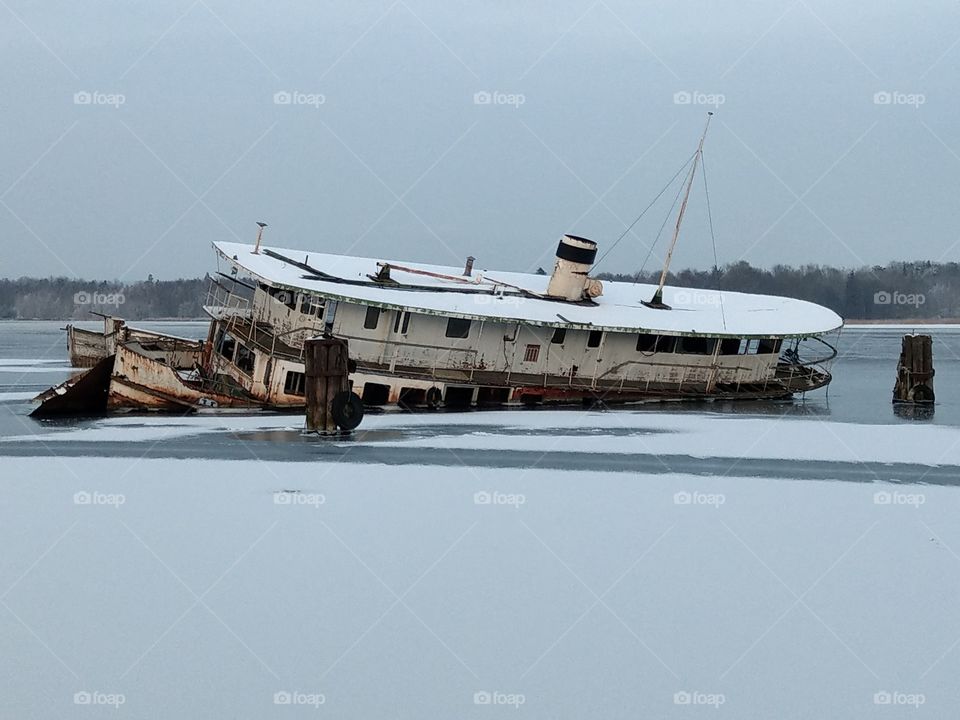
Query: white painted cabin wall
point(501, 347)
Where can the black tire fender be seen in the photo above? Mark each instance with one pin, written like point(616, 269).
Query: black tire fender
point(347, 410)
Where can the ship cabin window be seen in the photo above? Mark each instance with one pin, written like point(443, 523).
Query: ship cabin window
point(294, 383)
point(227, 346)
point(245, 359)
point(372, 318)
point(311, 305)
point(531, 353)
point(730, 346)
point(647, 343)
point(769, 346)
point(593, 340)
point(401, 322)
point(696, 345)
point(286, 297)
point(457, 328)
point(559, 335)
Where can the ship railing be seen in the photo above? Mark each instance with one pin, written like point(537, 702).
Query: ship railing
point(309, 330)
point(806, 363)
point(823, 352)
point(224, 303)
point(442, 356)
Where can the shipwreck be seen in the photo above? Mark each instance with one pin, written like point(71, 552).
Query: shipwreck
point(432, 336)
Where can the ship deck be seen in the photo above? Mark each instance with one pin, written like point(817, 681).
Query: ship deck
point(513, 297)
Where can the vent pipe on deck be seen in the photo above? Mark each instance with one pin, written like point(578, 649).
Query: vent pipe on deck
point(262, 225)
point(570, 281)
point(468, 268)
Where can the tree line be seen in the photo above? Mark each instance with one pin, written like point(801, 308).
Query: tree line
point(67, 299)
point(900, 290)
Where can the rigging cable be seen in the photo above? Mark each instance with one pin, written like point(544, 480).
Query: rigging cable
point(666, 219)
point(652, 202)
point(713, 237)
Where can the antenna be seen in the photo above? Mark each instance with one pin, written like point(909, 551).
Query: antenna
point(657, 300)
point(256, 250)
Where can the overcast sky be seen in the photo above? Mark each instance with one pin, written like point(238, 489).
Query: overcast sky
point(135, 134)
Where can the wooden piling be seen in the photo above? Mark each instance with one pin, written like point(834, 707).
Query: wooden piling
point(326, 362)
point(915, 371)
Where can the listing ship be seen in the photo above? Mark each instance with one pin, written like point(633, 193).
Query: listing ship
point(430, 336)
point(426, 335)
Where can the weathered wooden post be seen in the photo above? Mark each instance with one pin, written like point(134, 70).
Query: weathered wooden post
point(915, 371)
point(330, 403)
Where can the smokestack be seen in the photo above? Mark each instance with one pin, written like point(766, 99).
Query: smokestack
point(469, 266)
point(570, 281)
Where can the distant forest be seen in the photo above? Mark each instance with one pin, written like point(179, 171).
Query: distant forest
point(901, 290)
point(66, 299)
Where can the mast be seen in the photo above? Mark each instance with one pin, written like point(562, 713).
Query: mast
point(657, 300)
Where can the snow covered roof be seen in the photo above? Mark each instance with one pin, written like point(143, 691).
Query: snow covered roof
point(496, 295)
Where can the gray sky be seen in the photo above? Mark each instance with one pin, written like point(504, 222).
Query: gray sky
point(387, 150)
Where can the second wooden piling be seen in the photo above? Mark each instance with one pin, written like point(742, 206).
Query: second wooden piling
point(915, 371)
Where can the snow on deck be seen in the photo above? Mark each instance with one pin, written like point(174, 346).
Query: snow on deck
point(620, 308)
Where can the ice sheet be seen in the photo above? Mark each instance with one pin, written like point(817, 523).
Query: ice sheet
point(411, 592)
point(558, 431)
